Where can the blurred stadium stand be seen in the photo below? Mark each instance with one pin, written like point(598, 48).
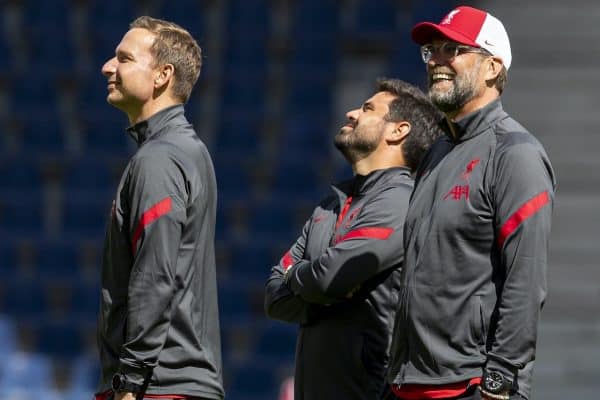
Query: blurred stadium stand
point(277, 79)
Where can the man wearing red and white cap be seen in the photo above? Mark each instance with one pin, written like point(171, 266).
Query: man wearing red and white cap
point(477, 228)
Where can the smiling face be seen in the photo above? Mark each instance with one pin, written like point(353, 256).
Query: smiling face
point(365, 128)
point(131, 74)
point(454, 82)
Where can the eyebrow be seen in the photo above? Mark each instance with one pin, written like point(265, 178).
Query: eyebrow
point(368, 104)
point(123, 53)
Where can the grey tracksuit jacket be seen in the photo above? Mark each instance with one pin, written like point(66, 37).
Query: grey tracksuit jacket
point(159, 315)
point(342, 287)
point(476, 240)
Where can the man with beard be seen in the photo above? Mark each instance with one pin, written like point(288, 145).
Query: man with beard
point(477, 228)
point(339, 280)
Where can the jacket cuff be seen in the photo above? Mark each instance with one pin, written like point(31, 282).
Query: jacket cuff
point(134, 374)
point(290, 273)
point(503, 367)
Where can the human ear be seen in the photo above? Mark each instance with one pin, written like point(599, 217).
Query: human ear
point(400, 131)
point(494, 66)
point(164, 75)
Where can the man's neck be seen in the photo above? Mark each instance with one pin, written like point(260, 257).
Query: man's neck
point(375, 162)
point(149, 109)
point(472, 106)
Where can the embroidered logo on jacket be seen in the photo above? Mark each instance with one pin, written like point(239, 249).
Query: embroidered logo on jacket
point(470, 167)
point(457, 193)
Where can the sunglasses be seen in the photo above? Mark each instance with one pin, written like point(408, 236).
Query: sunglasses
point(448, 50)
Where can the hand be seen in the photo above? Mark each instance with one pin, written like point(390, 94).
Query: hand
point(124, 396)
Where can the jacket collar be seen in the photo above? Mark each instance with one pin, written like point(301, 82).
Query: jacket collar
point(143, 130)
point(362, 184)
point(478, 121)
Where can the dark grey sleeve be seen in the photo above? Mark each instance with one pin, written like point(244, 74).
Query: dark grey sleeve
point(280, 302)
point(523, 195)
point(157, 198)
point(373, 245)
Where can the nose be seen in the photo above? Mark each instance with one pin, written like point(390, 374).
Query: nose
point(109, 67)
point(437, 59)
point(352, 115)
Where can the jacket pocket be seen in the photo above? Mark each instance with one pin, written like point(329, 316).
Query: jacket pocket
point(478, 323)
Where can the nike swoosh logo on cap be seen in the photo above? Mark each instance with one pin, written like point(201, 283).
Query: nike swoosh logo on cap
point(488, 43)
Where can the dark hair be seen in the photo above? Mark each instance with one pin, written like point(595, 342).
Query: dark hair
point(413, 106)
point(174, 45)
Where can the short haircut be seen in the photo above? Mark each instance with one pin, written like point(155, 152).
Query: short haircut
point(412, 105)
point(174, 45)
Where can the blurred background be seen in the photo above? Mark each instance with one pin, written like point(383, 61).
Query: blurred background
point(277, 79)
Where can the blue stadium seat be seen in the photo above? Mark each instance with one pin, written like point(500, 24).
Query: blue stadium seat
point(57, 259)
point(233, 170)
point(405, 61)
point(43, 135)
point(8, 259)
point(377, 19)
point(59, 338)
point(239, 130)
point(430, 11)
point(5, 60)
point(87, 215)
point(253, 259)
point(47, 15)
point(301, 176)
point(24, 299)
point(248, 18)
point(310, 94)
point(315, 18)
point(277, 343)
point(233, 299)
point(90, 175)
point(78, 394)
point(93, 91)
point(187, 13)
point(308, 134)
point(25, 371)
point(33, 94)
point(252, 380)
point(244, 91)
point(85, 373)
point(105, 132)
point(54, 56)
point(105, 37)
point(86, 303)
point(21, 213)
point(19, 174)
point(7, 337)
point(272, 218)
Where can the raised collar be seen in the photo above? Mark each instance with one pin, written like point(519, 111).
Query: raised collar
point(362, 184)
point(478, 121)
point(143, 130)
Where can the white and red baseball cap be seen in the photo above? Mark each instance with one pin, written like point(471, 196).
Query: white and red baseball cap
point(470, 26)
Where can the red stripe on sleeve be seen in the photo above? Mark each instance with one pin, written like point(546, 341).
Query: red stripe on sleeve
point(287, 261)
point(151, 215)
point(527, 210)
point(367, 233)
